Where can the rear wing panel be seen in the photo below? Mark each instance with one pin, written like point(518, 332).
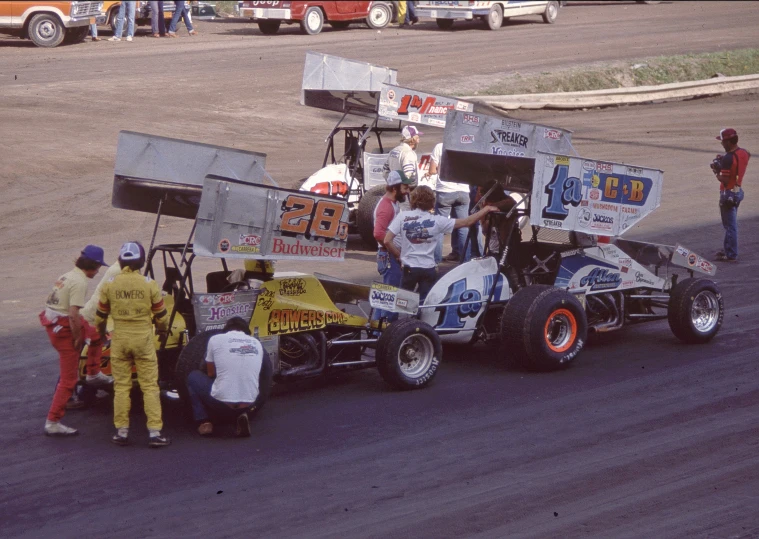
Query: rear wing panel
point(404, 104)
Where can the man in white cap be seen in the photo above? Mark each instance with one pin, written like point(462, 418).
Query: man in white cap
point(388, 266)
point(403, 157)
point(729, 170)
point(133, 300)
point(66, 330)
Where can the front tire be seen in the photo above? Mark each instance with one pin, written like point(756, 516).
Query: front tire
point(696, 310)
point(543, 328)
point(313, 21)
point(46, 30)
point(380, 15)
point(408, 354)
point(494, 19)
point(551, 13)
point(444, 24)
point(365, 215)
point(268, 27)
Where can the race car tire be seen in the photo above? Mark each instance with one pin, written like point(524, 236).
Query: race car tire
point(268, 27)
point(551, 13)
point(76, 35)
point(380, 15)
point(46, 30)
point(365, 215)
point(696, 310)
point(191, 358)
point(339, 25)
point(313, 21)
point(494, 19)
point(408, 354)
point(445, 24)
point(543, 328)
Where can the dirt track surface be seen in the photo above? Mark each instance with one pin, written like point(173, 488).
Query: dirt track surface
point(642, 437)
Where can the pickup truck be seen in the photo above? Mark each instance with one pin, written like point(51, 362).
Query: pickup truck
point(311, 15)
point(48, 24)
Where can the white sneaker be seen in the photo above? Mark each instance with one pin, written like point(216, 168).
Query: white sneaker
point(129, 38)
point(99, 380)
point(55, 428)
point(114, 38)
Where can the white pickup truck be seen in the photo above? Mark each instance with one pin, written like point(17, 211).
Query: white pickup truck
point(445, 12)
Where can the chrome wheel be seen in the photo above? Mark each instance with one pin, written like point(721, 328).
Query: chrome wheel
point(415, 355)
point(314, 21)
point(379, 16)
point(704, 313)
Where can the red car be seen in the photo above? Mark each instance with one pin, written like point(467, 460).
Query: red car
point(312, 14)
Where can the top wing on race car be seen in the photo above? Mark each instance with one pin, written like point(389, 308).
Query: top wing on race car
point(163, 174)
point(242, 220)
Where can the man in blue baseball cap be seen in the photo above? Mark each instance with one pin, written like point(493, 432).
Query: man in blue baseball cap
point(66, 329)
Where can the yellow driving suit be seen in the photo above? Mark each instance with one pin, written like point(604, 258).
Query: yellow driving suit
point(132, 300)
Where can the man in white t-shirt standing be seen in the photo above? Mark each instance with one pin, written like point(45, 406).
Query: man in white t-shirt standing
point(403, 157)
point(419, 231)
point(237, 381)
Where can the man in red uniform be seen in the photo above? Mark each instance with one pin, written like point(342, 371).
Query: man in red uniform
point(729, 170)
point(67, 329)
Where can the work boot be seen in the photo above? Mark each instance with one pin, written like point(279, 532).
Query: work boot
point(205, 428)
point(56, 428)
point(99, 380)
point(159, 441)
point(243, 426)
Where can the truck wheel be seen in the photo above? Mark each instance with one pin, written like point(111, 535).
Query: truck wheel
point(494, 20)
point(76, 35)
point(543, 328)
point(365, 215)
point(191, 359)
point(380, 15)
point(46, 30)
point(444, 24)
point(551, 13)
point(269, 27)
point(313, 21)
point(408, 354)
point(696, 310)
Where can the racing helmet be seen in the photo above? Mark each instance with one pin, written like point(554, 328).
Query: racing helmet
point(132, 252)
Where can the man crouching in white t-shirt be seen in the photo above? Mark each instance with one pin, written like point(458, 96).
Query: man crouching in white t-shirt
point(238, 381)
point(419, 231)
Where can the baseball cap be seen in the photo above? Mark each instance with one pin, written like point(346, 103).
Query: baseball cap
point(410, 132)
point(397, 177)
point(727, 133)
point(131, 251)
point(94, 253)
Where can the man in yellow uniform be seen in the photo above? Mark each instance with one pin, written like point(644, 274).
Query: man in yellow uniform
point(132, 300)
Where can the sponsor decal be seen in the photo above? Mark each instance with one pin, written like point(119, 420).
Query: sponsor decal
point(471, 119)
point(601, 279)
point(292, 320)
point(294, 247)
point(553, 223)
point(603, 221)
point(561, 160)
point(226, 299)
point(562, 191)
point(624, 269)
point(572, 252)
point(497, 150)
point(630, 211)
point(692, 259)
point(206, 300)
point(553, 134)
point(415, 117)
point(402, 303)
point(467, 139)
point(584, 203)
point(626, 262)
point(249, 239)
point(627, 284)
point(266, 299)
point(462, 105)
point(511, 124)
point(594, 194)
point(633, 171)
point(292, 287)
point(584, 217)
point(604, 206)
point(643, 278)
point(682, 251)
point(604, 167)
point(245, 349)
point(509, 138)
point(436, 122)
point(391, 95)
point(250, 249)
point(705, 265)
point(589, 165)
point(224, 245)
point(228, 311)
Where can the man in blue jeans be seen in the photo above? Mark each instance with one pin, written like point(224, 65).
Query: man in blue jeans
point(236, 383)
point(729, 170)
point(451, 199)
point(126, 9)
point(180, 13)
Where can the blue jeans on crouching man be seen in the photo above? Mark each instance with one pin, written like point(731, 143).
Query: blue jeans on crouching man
point(728, 209)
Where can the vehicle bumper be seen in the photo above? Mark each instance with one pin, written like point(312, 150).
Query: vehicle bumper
point(448, 13)
point(74, 22)
point(261, 13)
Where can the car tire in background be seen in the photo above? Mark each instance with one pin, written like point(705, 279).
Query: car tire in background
point(365, 215)
point(543, 328)
point(696, 310)
point(494, 19)
point(408, 354)
point(313, 21)
point(380, 15)
point(46, 30)
point(444, 24)
point(269, 27)
point(551, 13)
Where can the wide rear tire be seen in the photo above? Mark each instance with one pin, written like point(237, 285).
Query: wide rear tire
point(365, 215)
point(408, 354)
point(191, 359)
point(543, 328)
point(696, 310)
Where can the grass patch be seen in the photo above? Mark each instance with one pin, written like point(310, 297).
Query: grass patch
point(651, 71)
point(225, 8)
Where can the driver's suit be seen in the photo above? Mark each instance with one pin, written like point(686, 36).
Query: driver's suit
point(132, 300)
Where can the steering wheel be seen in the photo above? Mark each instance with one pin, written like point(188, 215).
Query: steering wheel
point(237, 285)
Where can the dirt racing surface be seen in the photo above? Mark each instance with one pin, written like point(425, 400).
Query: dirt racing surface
point(642, 437)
